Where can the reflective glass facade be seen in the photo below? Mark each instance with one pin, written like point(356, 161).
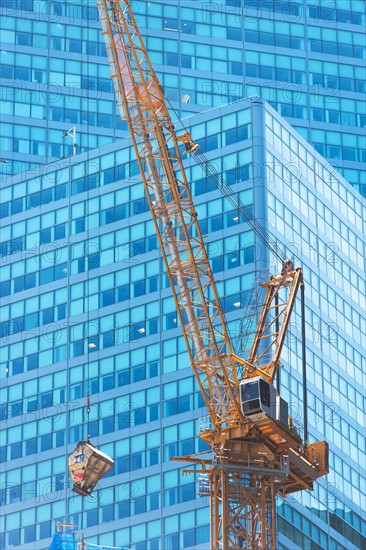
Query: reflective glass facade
point(307, 59)
point(85, 303)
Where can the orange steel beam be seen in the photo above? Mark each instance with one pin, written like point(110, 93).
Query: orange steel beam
point(141, 102)
point(266, 358)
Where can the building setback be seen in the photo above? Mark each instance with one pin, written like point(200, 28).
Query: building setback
point(86, 304)
point(307, 59)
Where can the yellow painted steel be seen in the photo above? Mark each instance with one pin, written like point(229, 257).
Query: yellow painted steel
point(248, 466)
point(141, 102)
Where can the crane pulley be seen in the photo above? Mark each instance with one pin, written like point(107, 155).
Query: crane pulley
point(254, 455)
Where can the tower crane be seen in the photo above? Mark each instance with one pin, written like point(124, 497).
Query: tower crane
point(256, 452)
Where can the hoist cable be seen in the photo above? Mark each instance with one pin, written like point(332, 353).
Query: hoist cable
point(219, 181)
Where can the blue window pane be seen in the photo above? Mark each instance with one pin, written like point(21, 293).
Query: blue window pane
point(171, 541)
point(7, 72)
point(14, 537)
point(18, 284)
point(16, 409)
point(60, 438)
point(78, 186)
point(78, 348)
point(187, 447)
point(61, 191)
point(3, 412)
point(154, 412)
point(188, 538)
point(123, 509)
point(140, 504)
point(172, 59)
point(249, 254)
point(15, 450)
point(202, 534)
point(170, 407)
point(45, 529)
point(138, 373)
point(153, 456)
point(32, 361)
point(17, 365)
point(108, 382)
point(31, 446)
point(92, 517)
point(32, 405)
point(108, 425)
point(5, 289)
point(81, 265)
point(46, 399)
point(184, 403)
point(107, 298)
point(267, 38)
point(94, 429)
point(61, 312)
point(139, 416)
point(349, 154)
point(154, 501)
point(30, 321)
point(122, 465)
point(139, 288)
point(236, 68)
point(2, 454)
point(123, 378)
point(60, 271)
point(171, 498)
point(46, 442)
point(136, 461)
point(120, 212)
point(93, 260)
point(123, 293)
point(47, 316)
point(94, 386)
point(30, 533)
point(108, 513)
point(46, 275)
point(216, 223)
point(187, 492)
point(80, 225)
point(46, 196)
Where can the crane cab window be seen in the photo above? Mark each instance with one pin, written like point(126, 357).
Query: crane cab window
point(249, 391)
point(256, 397)
point(250, 398)
point(264, 393)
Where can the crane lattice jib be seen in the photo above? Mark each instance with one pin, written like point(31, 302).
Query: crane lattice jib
point(141, 102)
point(273, 323)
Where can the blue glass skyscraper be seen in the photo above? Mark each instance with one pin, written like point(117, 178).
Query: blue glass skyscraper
point(85, 304)
point(84, 300)
point(307, 59)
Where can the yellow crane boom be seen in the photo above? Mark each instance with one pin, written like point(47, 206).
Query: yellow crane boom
point(141, 102)
point(255, 455)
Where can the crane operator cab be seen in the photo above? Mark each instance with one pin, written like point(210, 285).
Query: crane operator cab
point(87, 465)
point(259, 400)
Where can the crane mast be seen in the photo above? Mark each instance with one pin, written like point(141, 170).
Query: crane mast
point(253, 457)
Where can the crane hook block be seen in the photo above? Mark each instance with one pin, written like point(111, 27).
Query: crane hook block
point(87, 465)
